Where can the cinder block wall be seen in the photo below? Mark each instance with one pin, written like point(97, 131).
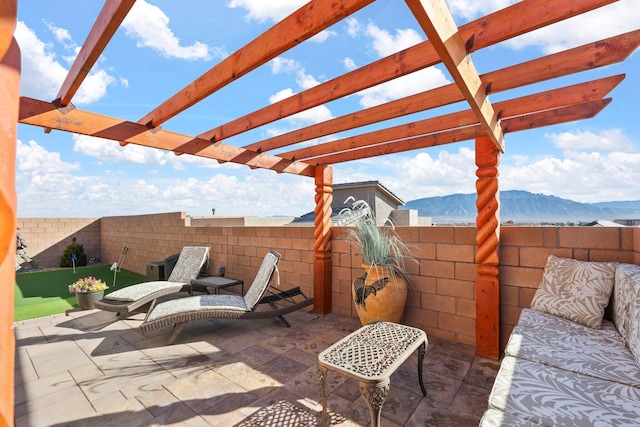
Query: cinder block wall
point(441, 299)
point(524, 251)
point(47, 238)
point(239, 249)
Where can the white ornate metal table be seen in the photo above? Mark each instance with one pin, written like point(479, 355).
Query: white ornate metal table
point(370, 355)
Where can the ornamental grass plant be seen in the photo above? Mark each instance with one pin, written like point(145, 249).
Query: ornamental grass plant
point(380, 246)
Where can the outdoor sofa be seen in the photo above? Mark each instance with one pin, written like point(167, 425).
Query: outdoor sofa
point(566, 366)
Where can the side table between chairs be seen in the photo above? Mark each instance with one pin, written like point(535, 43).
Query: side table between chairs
point(216, 283)
point(370, 355)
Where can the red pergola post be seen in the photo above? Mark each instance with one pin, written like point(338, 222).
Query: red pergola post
point(9, 103)
point(322, 277)
point(487, 256)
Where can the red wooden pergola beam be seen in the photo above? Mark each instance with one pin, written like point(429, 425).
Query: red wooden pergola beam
point(596, 89)
point(45, 114)
point(593, 55)
point(301, 25)
point(437, 22)
point(111, 16)
point(521, 17)
point(512, 124)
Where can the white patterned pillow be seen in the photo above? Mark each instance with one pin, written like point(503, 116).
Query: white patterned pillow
point(575, 290)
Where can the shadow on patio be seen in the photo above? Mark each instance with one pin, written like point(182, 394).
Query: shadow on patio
point(89, 369)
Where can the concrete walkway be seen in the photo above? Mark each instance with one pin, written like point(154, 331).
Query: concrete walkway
point(88, 368)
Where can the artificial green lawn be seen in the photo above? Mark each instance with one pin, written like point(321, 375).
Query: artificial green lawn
point(43, 293)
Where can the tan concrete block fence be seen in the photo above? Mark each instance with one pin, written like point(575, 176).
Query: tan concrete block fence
point(441, 299)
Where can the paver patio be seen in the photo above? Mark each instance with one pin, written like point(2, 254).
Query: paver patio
point(88, 368)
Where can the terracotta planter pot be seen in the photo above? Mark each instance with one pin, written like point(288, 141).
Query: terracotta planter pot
point(379, 295)
point(87, 299)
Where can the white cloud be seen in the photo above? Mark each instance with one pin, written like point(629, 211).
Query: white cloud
point(448, 173)
point(150, 26)
point(44, 182)
point(353, 27)
point(410, 84)
point(280, 65)
point(418, 175)
point(317, 114)
point(313, 115)
point(322, 36)
point(35, 159)
point(607, 21)
point(606, 140)
point(112, 152)
point(579, 173)
point(279, 96)
point(385, 43)
point(349, 64)
point(61, 34)
point(283, 65)
point(42, 75)
point(579, 176)
point(49, 186)
point(273, 10)
point(94, 87)
point(469, 9)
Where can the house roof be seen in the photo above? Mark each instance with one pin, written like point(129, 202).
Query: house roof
point(364, 184)
point(603, 223)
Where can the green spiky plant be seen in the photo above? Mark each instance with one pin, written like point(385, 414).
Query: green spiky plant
point(384, 255)
point(380, 246)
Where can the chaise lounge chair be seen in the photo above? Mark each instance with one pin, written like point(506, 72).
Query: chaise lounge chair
point(179, 312)
point(143, 296)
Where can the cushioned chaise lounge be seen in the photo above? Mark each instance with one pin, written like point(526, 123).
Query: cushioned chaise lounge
point(179, 312)
point(143, 296)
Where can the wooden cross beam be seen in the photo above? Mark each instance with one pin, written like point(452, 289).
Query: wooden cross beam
point(437, 22)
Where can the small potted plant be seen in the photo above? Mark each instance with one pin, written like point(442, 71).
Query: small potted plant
point(88, 290)
point(381, 293)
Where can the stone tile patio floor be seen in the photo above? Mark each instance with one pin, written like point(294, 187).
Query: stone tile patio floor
point(88, 368)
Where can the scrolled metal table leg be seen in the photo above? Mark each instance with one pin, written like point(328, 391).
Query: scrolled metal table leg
point(421, 351)
point(322, 376)
point(375, 395)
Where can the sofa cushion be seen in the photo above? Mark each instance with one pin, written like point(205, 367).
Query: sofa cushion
point(495, 418)
point(626, 306)
point(145, 289)
point(575, 290)
point(548, 339)
point(550, 396)
point(623, 295)
point(633, 334)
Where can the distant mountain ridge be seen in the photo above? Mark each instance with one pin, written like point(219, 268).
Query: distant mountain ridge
point(523, 206)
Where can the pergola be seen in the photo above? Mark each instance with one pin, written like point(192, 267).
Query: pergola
point(484, 122)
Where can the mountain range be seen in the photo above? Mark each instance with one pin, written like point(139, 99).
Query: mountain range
point(523, 207)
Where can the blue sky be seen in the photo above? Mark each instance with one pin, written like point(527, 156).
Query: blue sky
point(162, 46)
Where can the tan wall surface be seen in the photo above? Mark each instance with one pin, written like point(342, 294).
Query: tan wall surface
point(239, 249)
point(441, 299)
point(47, 238)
